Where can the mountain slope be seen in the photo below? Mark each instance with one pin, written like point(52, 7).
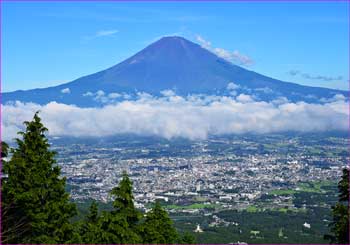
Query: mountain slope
point(170, 63)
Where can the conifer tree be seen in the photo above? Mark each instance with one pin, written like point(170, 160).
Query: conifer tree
point(10, 227)
point(341, 213)
point(120, 225)
point(4, 150)
point(187, 238)
point(158, 227)
point(90, 231)
point(36, 208)
point(34, 193)
point(124, 200)
point(92, 217)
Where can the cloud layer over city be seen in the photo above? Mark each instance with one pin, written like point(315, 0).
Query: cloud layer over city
point(170, 116)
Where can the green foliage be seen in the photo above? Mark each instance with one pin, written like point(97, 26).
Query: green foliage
point(90, 230)
point(158, 228)
point(37, 208)
point(341, 213)
point(4, 150)
point(92, 217)
point(344, 187)
point(120, 225)
point(187, 238)
point(124, 201)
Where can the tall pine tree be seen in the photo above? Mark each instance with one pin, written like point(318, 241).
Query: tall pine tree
point(34, 194)
point(36, 208)
point(90, 231)
point(341, 213)
point(120, 225)
point(187, 238)
point(10, 227)
point(158, 228)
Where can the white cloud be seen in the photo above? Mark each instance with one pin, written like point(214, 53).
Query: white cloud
point(232, 86)
point(223, 53)
point(204, 43)
point(114, 95)
point(100, 93)
point(65, 91)
point(241, 58)
point(244, 98)
point(192, 117)
point(266, 90)
point(88, 93)
point(104, 33)
point(234, 57)
point(280, 100)
point(167, 93)
point(336, 97)
point(102, 97)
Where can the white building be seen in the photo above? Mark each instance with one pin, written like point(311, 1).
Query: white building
point(198, 229)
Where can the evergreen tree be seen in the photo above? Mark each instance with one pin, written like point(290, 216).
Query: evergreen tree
point(341, 213)
point(120, 225)
point(34, 193)
point(4, 150)
point(187, 238)
point(158, 227)
point(90, 231)
point(36, 208)
point(124, 200)
point(92, 216)
point(10, 227)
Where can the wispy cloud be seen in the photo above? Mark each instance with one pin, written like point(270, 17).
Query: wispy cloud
point(204, 43)
point(65, 91)
point(104, 33)
point(104, 98)
point(231, 56)
point(315, 77)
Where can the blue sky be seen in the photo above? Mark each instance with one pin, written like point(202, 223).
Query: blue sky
point(49, 43)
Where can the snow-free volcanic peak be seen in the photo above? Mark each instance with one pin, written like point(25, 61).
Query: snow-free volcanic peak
point(171, 63)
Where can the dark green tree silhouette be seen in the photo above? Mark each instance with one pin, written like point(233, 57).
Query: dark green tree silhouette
point(158, 228)
point(121, 224)
point(90, 231)
point(34, 194)
point(340, 224)
point(4, 150)
point(92, 216)
point(10, 227)
point(36, 208)
point(187, 238)
point(124, 200)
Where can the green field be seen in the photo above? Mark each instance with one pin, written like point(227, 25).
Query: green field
point(282, 192)
point(192, 206)
point(312, 187)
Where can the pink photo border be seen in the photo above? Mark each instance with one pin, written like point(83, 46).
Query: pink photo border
point(1, 1)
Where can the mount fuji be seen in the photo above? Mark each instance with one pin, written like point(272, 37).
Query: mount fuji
point(171, 63)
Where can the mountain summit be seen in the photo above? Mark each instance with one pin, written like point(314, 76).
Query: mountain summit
point(171, 63)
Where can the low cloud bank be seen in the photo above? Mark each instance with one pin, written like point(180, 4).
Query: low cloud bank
point(192, 117)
